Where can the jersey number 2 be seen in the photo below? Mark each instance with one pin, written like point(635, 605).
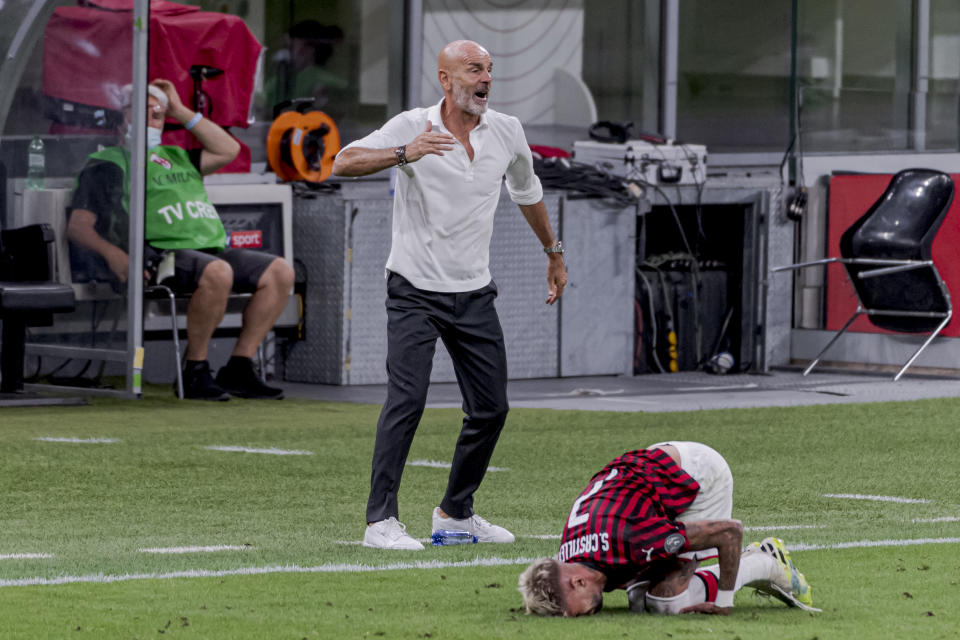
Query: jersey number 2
point(579, 518)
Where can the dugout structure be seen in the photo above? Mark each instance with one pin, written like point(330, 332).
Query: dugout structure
point(342, 238)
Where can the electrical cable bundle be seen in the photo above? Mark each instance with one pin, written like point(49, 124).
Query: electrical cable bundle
point(561, 173)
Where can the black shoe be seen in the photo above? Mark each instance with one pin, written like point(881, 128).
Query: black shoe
point(198, 383)
point(240, 379)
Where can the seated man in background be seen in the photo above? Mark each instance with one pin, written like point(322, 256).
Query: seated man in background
point(181, 221)
point(302, 70)
point(642, 524)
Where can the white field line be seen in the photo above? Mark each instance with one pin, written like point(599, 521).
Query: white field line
point(860, 496)
point(785, 527)
point(862, 544)
point(931, 520)
point(205, 549)
point(397, 566)
point(100, 578)
point(78, 440)
point(24, 556)
point(271, 451)
point(440, 464)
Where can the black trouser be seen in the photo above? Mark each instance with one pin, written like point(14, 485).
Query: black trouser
point(470, 329)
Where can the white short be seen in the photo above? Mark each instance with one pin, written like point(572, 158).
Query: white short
point(640, 600)
point(715, 499)
point(674, 605)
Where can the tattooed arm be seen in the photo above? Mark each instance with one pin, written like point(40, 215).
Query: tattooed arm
point(727, 537)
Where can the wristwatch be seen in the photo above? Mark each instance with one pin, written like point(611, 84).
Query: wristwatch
point(401, 152)
point(557, 248)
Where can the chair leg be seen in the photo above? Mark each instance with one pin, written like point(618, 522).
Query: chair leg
point(263, 372)
point(832, 340)
point(922, 347)
point(176, 339)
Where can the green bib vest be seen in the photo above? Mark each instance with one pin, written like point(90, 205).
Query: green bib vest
point(179, 214)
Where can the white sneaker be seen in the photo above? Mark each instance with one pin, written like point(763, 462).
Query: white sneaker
point(786, 583)
point(389, 534)
point(476, 525)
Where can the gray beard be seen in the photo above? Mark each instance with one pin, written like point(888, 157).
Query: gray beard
point(463, 98)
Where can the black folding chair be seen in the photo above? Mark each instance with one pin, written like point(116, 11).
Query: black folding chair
point(887, 256)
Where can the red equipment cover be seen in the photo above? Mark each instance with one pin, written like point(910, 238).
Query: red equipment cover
point(850, 197)
point(88, 51)
point(125, 5)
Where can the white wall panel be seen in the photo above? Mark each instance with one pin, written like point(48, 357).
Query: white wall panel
point(527, 40)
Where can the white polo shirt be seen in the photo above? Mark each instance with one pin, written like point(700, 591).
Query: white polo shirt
point(443, 206)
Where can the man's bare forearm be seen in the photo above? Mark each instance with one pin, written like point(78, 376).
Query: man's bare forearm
point(362, 161)
point(727, 537)
point(219, 147)
point(358, 161)
point(82, 231)
point(539, 221)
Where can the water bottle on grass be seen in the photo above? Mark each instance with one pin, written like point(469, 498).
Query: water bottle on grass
point(446, 538)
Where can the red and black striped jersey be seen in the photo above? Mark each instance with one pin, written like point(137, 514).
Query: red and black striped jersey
point(625, 520)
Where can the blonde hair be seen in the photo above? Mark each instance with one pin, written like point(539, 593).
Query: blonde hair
point(539, 585)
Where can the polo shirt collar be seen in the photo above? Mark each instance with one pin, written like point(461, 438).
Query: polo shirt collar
point(434, 115)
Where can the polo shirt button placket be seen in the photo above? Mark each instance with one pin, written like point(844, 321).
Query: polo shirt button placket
point(468, 171)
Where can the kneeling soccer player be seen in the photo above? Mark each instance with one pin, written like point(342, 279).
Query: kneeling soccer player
point(642, 524)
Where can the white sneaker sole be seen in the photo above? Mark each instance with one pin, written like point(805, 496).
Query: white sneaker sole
point(370, 545)
point(373, 546)
point(786, 597)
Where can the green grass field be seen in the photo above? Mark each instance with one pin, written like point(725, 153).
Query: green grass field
point(76, 517)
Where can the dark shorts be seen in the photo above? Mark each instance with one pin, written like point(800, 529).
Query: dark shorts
point(248, 266)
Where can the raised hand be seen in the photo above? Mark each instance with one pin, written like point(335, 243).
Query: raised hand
point(428, 142)
point(176, 105)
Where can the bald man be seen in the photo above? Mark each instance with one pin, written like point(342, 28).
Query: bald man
point(451, 159)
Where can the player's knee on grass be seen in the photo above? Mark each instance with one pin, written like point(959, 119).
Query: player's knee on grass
point(674, 604)
point(667, 605)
